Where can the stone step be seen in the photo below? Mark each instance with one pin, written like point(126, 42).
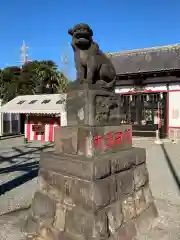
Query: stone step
point(93, 168)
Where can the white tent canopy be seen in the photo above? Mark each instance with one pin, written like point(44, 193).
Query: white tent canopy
point(36, 104)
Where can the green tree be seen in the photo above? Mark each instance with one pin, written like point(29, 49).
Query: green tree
point(9, 82)
point(33, 77)
point(1, 85)
point(60, 82)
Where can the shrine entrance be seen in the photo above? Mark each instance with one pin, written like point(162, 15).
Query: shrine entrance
point(142, 111)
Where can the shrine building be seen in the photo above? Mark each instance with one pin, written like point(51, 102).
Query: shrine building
point(148, 81)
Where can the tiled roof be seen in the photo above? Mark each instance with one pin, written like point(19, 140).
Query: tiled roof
point(36, 104)
point(146, 60)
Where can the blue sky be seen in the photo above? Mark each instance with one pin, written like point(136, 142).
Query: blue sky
point(117, 25)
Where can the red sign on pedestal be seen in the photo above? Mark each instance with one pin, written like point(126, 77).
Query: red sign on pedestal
point(110, 139)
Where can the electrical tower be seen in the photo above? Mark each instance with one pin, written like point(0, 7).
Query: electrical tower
point(66, 59)
point(24, 55)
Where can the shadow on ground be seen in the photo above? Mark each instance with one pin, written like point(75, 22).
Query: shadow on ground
point(22, 153)
point(171, 167)
point(30, 169)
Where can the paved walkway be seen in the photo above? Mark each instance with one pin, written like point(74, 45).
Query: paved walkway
point(11, 226)
point(16, 160)
point(163, 162)
point(18, 173)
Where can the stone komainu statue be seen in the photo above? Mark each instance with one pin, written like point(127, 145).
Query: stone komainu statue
point(92, 65)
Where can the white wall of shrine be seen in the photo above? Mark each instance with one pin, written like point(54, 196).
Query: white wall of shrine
point(174, 115)
point(174, 109)
point(150, 87)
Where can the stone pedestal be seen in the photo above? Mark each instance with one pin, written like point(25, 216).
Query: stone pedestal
point(94, 185)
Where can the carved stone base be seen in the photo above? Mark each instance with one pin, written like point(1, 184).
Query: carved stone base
point(93, 108)
point(82, 198)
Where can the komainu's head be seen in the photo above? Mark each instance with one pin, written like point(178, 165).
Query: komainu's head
point(81, 36)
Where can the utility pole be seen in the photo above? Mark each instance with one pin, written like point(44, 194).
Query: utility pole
point(24, 55)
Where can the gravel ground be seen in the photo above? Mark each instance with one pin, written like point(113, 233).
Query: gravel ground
point(163, 162)
point(18, 171)
point(11, 226)
point(167, 225)
point(163, 179)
